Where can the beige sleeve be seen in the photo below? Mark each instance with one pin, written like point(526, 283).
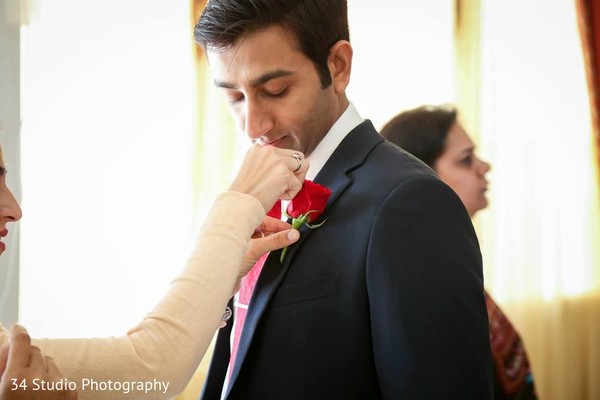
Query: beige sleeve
point(169, 343)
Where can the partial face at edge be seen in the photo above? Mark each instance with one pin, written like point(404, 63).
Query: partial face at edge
point(462, 170)
point(274, 92)
point(9, 208)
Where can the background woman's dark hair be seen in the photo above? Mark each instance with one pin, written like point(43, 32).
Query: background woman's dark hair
point(317, 25)
point(422, 131)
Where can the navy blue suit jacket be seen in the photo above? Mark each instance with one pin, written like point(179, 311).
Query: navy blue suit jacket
point(383, 301)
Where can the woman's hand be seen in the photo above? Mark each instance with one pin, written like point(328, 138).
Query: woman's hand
point(272, 234)
point(21, 363)
point(269, 173)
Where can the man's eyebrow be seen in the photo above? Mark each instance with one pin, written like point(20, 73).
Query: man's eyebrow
point(278, 73)
point(2, 171)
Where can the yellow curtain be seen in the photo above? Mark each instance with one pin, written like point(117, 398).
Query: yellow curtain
point(467, 67)
point(522, 92)
point(217, 150)
point(218, 147)
point(588, 19)
point(467, 34)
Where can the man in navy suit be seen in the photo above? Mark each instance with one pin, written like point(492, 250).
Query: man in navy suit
point(385, 299)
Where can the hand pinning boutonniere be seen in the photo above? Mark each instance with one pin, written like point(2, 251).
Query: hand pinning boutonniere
point(306, 207)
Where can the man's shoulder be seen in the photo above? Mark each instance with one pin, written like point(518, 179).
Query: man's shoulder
point(365, 148)
point(394, 164)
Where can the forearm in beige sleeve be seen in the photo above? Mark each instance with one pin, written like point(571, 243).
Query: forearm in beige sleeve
point(169, 343)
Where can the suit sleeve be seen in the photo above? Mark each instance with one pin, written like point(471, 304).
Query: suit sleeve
point(424, 278)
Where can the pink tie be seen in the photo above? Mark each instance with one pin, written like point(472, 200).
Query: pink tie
point(245, 294)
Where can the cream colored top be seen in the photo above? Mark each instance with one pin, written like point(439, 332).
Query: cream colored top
point(156, 359)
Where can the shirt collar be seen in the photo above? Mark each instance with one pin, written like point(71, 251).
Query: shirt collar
point(349, 120)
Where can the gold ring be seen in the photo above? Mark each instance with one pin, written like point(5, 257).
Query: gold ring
point(298, 158)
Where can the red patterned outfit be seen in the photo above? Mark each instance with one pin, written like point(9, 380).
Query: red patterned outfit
point(512, 374)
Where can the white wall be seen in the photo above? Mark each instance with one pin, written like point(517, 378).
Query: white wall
point(403, 55)
point(107, 149)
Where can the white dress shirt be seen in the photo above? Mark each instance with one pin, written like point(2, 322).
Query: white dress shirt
point(349, 120)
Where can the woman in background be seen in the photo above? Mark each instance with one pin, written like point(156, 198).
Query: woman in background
point(434, 135)
point(169, 343)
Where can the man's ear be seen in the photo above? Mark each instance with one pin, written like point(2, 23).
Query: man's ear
point(340, 65)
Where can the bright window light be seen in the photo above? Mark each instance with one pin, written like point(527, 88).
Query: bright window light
point(107, 139)
point(537, 134)
point(403, 56)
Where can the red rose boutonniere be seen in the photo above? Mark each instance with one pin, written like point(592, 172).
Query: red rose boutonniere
point(306, 207)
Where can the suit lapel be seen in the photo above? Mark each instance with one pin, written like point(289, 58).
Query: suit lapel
point(269, 280)
point(349, 155)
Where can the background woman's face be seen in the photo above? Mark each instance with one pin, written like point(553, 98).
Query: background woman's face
point(462, 170)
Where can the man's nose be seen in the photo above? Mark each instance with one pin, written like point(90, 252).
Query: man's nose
point(258, 120)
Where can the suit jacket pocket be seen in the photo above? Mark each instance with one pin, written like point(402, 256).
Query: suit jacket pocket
point(313, 289)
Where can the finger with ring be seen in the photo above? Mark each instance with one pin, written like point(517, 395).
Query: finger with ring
point(298, 158)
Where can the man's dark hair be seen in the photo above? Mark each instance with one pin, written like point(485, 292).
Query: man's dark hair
point(317, 25)
point(422, 131)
